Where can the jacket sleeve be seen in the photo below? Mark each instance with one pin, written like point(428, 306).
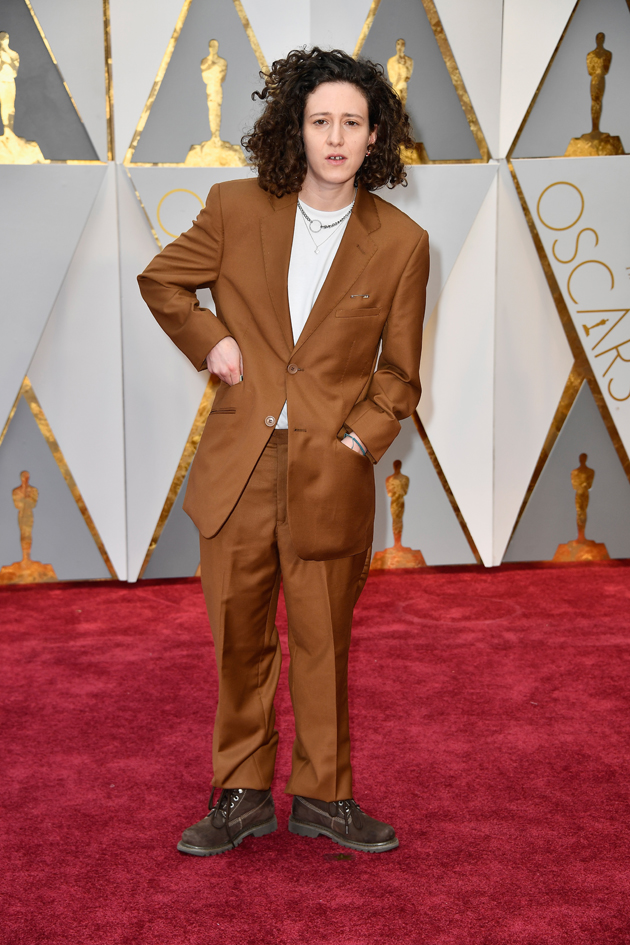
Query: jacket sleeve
point(394, 389)
point(169, 283)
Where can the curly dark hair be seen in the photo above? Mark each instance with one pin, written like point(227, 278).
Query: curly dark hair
point(275, 144)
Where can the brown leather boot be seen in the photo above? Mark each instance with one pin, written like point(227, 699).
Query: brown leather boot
point(341, 821)
point(238, 813)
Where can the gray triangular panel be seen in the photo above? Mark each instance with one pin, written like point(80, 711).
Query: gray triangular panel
point(429, 523)
point(179, 114)
point(563, 108)
point(436, 113)
point(60, 535)
point(81, 63)
point(177, 552)
point(43, 109)
point(550, 517)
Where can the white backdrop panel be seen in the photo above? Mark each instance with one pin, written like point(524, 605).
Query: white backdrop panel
point(532, 362)
point(456, 406)
point(338, 25)
point(279, 26)
point(582, 220)
point(162, 391)
point(75, 34)
point(44, 210)
point(179, 193)
point(474, 34)
point(445, 200)
point(531, 32)
point(77, 373)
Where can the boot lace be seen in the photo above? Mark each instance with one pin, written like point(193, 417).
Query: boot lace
point(220, 813)
point(351, 814)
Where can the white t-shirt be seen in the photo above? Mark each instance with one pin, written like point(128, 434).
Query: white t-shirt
point(308, 269)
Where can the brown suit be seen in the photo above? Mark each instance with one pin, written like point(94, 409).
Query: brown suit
point(298, 503)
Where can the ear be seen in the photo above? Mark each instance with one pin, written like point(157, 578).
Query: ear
point(373, 135)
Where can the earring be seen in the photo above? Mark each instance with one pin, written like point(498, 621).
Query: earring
point(367, 153)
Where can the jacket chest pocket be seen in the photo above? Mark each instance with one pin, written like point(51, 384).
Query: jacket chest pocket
point(357, 312)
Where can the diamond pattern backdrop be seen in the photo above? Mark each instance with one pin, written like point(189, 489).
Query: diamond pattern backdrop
point(527, 341)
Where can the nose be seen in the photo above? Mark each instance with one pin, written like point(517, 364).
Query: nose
point(335, 134)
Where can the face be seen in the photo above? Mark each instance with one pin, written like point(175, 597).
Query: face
point(400, 47)
point(336, 132)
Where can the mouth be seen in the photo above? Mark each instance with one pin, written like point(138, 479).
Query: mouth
point(336, 159)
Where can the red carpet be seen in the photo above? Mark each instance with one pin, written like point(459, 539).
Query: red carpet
point(490, 718)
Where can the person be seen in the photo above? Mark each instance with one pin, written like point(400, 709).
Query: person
point(310, 274)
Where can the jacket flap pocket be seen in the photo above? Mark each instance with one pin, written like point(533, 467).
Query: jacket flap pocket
point(354, 312)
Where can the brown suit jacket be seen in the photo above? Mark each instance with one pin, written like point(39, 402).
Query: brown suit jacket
point(239, 247)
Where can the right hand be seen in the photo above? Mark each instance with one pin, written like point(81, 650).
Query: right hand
point(226, 361)
point(352, 443)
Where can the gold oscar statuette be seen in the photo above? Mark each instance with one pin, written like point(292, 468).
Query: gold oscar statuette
point(582, 549)
point(215, 152)
point(399, 69)
point(26, 571)
point(398, 556)
point(13, 150)
point(596, 142)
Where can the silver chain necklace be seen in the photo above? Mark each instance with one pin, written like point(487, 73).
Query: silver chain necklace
point(314, 226)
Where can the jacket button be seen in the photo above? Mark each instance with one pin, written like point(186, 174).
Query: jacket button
point(270, 421)
point(293, 369)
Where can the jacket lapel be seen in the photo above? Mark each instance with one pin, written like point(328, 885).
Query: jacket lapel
point(277, 238)
point(354, 253)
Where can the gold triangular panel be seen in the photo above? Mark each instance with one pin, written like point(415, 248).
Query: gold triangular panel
point(46, 531)
point(176, 554)
point(571, 390)
point(580, 108)
point(579, 509)
point(423, 70)
point(40, 122)
point(433, 529)
point(578, 216)
point(173, 522)
point(212, 65)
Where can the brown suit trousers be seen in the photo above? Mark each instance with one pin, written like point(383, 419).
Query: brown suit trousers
point(240, 572)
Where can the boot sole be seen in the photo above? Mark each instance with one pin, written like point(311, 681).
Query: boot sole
point(302, 829)
point(260, 830)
